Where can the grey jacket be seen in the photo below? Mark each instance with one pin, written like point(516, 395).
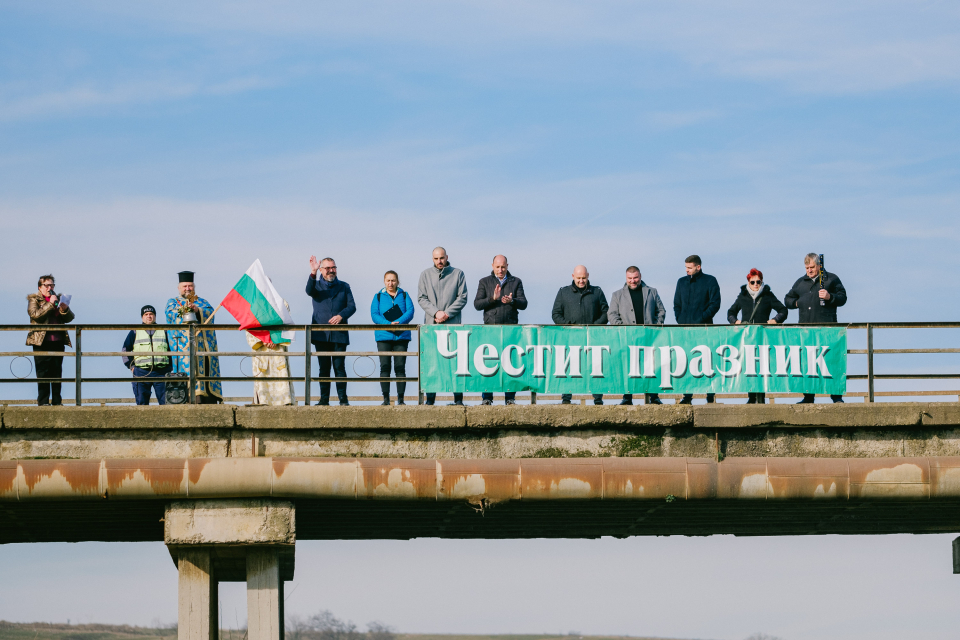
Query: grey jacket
point(622, 311)
point(442, 291)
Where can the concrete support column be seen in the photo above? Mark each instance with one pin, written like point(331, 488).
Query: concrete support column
point(264, 595)
point(956, 555)
point(197, 606)
point(231, 540)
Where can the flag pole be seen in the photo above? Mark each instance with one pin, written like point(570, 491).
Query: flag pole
point(213, 314)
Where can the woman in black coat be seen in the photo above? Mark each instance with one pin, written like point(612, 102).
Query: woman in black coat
point(755, 303)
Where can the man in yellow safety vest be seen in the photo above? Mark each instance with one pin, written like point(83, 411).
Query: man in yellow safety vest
point(148, 342)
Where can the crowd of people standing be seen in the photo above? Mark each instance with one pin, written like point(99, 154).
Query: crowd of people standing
point(442, 295)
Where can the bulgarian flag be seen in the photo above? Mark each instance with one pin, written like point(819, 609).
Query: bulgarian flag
point(255, 303)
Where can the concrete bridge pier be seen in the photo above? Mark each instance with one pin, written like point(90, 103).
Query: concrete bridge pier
point(956, 555)
point(214, 541)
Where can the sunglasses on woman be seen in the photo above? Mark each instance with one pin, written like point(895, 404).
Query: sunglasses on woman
point(756, 282)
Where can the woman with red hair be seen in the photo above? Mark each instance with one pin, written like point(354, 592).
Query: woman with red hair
point(755, 304)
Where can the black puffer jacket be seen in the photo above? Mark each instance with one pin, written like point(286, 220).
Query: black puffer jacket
point(494, 311)
point(805, 296)
point(758, 310)
point(580, 306)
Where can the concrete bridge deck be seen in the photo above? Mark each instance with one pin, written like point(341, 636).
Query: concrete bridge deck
point(95, 473)
point(479, 432)
point(231, 489)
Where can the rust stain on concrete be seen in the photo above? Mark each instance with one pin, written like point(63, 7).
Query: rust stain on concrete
point(164, 476)
point(83, 476)
point(8, 478)
point(397, 478)
point(476, 480)
point(561, 478)
point(195, 467)
point(743, 478)
point(644, 477)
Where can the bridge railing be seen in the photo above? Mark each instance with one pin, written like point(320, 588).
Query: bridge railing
point(77, 330)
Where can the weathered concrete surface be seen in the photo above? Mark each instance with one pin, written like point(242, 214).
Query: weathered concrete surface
point(170, 417)
point(264, 595)
point(412, 417)
point(229, 522)
point(478, 432)
point(198, 601)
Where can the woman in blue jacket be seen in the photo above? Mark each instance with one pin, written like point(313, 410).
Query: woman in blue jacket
point(392, 305)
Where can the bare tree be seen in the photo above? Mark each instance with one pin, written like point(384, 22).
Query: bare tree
point(380, 631)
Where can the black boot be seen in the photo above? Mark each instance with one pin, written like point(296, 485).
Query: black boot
point(386, 401)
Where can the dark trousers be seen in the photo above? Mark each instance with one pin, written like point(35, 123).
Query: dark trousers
point(597, 397)
point(756, 398)
point(647, 397)
point(689, 397)
point(339, 370)
point(810, 397)
point(507, 396)
point(49, 367)
point(432, 397)
point(141, 390)
point(399, 365)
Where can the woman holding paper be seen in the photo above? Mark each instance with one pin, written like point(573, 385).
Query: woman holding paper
point(47, 308)
point(755, 304)
point(392, 305)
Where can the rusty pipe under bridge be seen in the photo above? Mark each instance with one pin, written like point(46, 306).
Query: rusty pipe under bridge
point(363, 498)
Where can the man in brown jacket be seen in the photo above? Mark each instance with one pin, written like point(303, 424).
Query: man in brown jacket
point(45, 309)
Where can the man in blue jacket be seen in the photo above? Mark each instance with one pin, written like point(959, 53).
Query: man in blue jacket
point(332, 304)
point(696, 301)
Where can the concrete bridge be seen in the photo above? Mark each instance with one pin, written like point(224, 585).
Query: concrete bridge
point(231, 489)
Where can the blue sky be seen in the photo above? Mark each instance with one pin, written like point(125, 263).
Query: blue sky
point(140, 139)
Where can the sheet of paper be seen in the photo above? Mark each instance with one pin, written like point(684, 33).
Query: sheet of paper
point(65, 299)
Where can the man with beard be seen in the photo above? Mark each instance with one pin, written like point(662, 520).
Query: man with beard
point(188, 308)
point(817, 295)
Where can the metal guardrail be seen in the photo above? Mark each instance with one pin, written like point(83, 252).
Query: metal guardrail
point(77, 329)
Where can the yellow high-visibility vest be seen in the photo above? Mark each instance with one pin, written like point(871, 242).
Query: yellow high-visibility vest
point(145, 342)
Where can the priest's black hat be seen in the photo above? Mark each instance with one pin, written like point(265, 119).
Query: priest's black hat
point(186, 276)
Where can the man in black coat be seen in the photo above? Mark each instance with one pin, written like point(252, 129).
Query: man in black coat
point(580, 303)
point(817, 299)
point(696, 301)
point(332, 304)
point(500, 296)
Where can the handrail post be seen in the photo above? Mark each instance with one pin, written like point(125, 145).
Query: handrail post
point(77, 350)
point(533, 397)
point(192, 339)
point(306, 368)
point(869, 363)
point(419, 376)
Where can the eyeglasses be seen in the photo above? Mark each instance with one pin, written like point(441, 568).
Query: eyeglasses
point(48, 285)
point(756, 282)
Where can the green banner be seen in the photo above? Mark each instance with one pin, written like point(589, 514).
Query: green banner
point(633, 359)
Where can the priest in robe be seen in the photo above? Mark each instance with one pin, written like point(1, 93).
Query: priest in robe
point(188, 308)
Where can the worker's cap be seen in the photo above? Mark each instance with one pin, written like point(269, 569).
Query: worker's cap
point(147, 308)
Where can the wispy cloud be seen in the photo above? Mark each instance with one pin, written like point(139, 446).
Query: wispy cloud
point(818, 46)
point(84, 98)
